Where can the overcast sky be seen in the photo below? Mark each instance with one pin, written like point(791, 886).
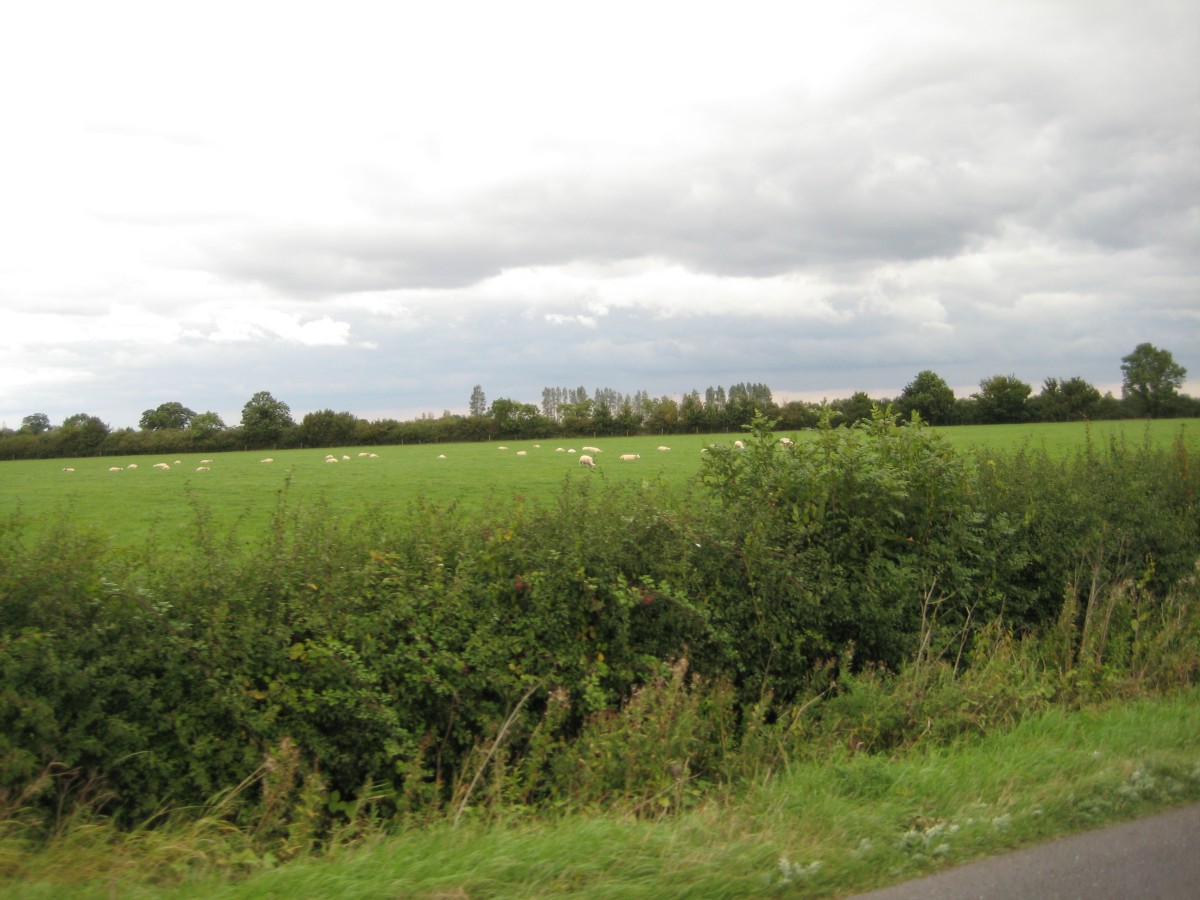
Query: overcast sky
point(375, 206)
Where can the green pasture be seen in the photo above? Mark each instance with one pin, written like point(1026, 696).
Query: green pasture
point(240, 492)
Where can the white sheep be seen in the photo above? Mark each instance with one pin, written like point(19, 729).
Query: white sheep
point(345, 457)
point(592, 450)
point(586, 460)
point(114, 468)
point(162, 466)
point(559, 450)
point(501, 448)
point(268, 459)
point(628, 457)
point(373, 456)
point(206, 462)
point(740, 445)
point(522, 453)
point(572, 450)
point(441, 456)
point(331, 459)
point(664, 449)
point(787, 442)
point(131, 466)
point(202, 468)
point(68, 469)
point(364, 453)
point(179, 462)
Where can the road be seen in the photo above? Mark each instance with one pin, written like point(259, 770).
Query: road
point(1156, 858)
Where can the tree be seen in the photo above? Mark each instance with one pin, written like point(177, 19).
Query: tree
point(1065, 401)
point(326, 428)
point(36, 423)
point(1152, 380)
point(167, 415)
point(854, 408)
point(1002, 398)
point(478, 405)
point(265, 419)
point(929, 396)
point(82, 434)
point(206, 423)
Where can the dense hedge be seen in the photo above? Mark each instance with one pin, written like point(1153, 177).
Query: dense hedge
point(390, 657)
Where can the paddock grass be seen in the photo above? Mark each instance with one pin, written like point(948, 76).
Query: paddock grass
point(239, 492)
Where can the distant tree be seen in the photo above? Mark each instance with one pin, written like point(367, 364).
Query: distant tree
point(326, 428)
point(35, 424)
point(167, 415)
point(478, 404)
point(1002, 398)
point(853, 408)
point(265, 419)
point(206, 423)
point(691, 412)
point(929, 396)
point(1152, 380)
point(1065, 401)
point(81, 434)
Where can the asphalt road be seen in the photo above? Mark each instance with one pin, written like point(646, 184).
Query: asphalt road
point(1147, 859)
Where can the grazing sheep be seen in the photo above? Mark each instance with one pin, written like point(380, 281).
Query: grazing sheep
point(559, 450)
point(114, 468)
point(627, 457)
point(345, 457)
point(202, 468)
point(206, 462)
point(331, 459)
point(537, 446)
point(68, 469)
point(364, 453)
point(522, 453)
point(268, 459)
point(787, 442)
point(592, 450)
point(572, 450)
point(131, 466)
point(163, 466)
point(586, 460)
point(441, 456)
point(373, 456)
point(740, 445)
point(501, 448)
point(664, 448)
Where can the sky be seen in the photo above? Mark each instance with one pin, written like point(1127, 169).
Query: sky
point(375, 206)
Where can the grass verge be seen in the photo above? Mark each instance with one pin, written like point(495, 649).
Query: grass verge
point(825, 827)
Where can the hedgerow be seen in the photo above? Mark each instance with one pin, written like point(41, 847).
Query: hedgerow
point(869, 588)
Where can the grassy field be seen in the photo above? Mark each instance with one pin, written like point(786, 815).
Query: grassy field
point(239, 491)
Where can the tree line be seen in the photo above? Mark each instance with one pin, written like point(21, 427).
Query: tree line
point(1150, 388)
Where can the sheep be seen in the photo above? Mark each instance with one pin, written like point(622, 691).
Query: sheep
point(522, 453)
point(501, 448)
point(572, 450)
point(740, 445)
point(592, 450)
point(131, 466)
point(331, 459)
point(537, 446)
point(268, 459)
point(345, 457)
point(202, 469)
point(206, 462)
point(587, 461)
point(787, 442)
point(627, 457)
point(163, 466)
point(559, 450)
point(373, 456)
point(441, 456)
point(68, 469)
point(364, 453)
point(664, 449)
point(114, 468)
point(179, 462)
